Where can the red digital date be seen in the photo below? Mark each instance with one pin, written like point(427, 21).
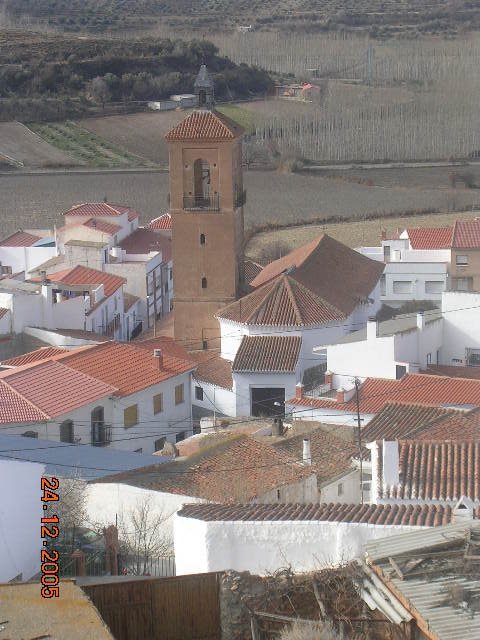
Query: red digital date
point(49, 558)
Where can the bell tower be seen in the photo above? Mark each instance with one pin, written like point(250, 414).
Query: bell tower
point(206, 204)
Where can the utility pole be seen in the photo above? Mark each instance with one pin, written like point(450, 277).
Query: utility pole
point(359, 435)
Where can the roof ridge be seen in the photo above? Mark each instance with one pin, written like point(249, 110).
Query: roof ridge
point(293, 300)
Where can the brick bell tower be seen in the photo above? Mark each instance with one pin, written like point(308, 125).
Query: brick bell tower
point(206, 204)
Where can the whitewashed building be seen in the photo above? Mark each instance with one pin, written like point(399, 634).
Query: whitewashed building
point(25, 250)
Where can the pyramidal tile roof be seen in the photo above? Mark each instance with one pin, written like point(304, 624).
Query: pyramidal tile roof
point(272, 354)
point(430, 237)
point(340, 276)
point(281, 302)
point(103, 209)
point(205, 126)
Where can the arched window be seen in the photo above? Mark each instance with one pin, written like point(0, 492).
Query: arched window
point(204, 283)
point(201, 182)
point(66, 431)
point(202, 238)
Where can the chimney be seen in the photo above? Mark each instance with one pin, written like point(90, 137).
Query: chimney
point(371, 328)
point(157, 353)
point(277, 427)
point(307, 453)
point(462, 511)
point(391, 475)
point(340, 394)
point(298, 391)
point(328, 378)
point(420, 320)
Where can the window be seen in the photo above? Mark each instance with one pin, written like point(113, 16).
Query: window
point(101, 433)
point(166, 287)
point(340, 489)
point(402, 286)
point(170, 274)
point(202, 239)
point(278, 494)
point(130, 416)
point(386, 253)
point(204, 283)
point(438, 356)
point(204, 345)
point(400, 371)
point(179, 398)
point(30, 434)
point(180, 436)
point(160, 443)
point(429, 358)
point(462, 284)
point(198, 393)
point(158, 403)
point(461, 261)
point(473, 357)
point(434, 286)
point(66, 431)
point(383, 285)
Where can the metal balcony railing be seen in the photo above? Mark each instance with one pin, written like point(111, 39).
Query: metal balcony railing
point(101, 434)
point(202, 203)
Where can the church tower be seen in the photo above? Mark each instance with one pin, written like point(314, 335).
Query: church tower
point(206, 204)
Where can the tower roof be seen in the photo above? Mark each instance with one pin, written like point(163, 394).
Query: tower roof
point(205, 125)
point(203, 79)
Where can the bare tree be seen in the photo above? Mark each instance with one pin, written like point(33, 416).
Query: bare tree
point(143, 536)
point(100, 90)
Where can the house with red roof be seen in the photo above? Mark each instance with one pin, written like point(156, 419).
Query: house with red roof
point(24, 250)
point(315, 294)
point(132, 397)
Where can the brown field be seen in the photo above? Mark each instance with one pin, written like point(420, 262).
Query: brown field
point(21, 144)
point(139, 133)
point(38, 200)
point(353, 233)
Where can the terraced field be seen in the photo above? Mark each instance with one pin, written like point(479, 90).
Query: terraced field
point(86, 147)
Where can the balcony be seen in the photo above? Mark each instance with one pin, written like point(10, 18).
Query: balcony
point(240, 199)
point(101, 434)
point(201, 203)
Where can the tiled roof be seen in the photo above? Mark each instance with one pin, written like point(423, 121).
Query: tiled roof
point(281, 302)
point(80, 275)
point(461, 425)
point(17, 409)
point(376, 514)
point(331, 455)
point(51, 262)
point(3, 312)
point(412, 388)
point(398, 420)
point(437, 471)
point(54, 388)
point(340, 276)
point(19, 239)
point(101, 209)
point(238, 469)
point(252, 269)
point(39, 354)
point(205, 125)
point(466, 234)
point(145, 240)
point(127, 367)
point(272, 354)
point(213, 369)
point(166, 344)
point(163, 222)
point(453, 372)
point(102, 226)
point(430, 237)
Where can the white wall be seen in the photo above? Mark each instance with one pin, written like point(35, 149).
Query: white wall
point(20, 512)
point(25, 258)
point(461, 326)
point(329, 415)
point(417, 274)
point(263, 547)
point(350, 493)
point(222, 400)
point(244, 382)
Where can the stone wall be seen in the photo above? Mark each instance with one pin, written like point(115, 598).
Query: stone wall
point(234, 615)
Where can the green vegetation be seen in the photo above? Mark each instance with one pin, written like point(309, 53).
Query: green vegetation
point(243, 117)
point(86, 147)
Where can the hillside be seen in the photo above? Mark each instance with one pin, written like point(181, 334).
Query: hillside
point(378, 17)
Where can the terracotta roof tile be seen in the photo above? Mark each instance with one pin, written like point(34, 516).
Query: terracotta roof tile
point(281, 302)
point(205, 125)
point(127, 367)
point(238, 469)
point(145, 240)
point(55, 388)
point(272, 354)
point(102, 226)
point(14, 408)
point(163, 222)
point(213, 369)
point(166, 344)
point(416, 388)
point(372, 514)
point(251, 269)
point(457, 426)
point(101, 209)
point(346, 277)
point(453, 372)
point(19, 239)
point(430, 237)
point(44, 353)
point(437, 471)
point(397, 420)
point(466, 234)
point(80, 275)
point(3, 312)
